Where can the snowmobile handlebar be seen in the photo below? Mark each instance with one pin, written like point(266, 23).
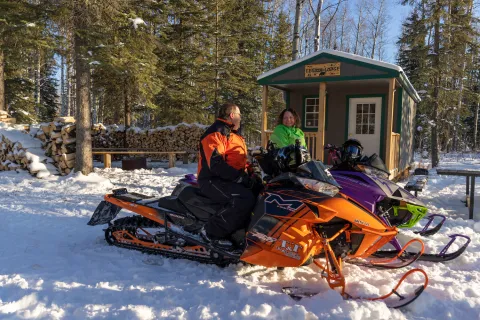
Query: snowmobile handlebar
point(331, 147)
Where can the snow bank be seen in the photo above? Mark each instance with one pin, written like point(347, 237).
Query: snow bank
point(54, 266)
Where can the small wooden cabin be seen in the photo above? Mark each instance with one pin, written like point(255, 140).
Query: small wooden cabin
point(340, 95)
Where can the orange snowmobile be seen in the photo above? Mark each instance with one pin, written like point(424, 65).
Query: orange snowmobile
point(299, 219)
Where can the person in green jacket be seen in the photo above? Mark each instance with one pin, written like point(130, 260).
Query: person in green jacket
point(286, 132)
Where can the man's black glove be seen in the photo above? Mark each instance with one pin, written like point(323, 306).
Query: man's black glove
point(247, 180)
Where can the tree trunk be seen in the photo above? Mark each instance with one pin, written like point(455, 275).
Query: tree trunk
point(296, 29)
point(37, 82)
point(318, 17)
point(217, 79)
point(358, 27)
point(460, 78)
point(71, 75)
point(376, 28)
point(436, 89)
point(128, 109)
point(127, 112)
point(83, 155)
point(2, 80)
point(342, 34)
point(63, 109)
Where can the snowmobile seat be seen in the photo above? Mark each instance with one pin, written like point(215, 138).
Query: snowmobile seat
point(172, 203)
point(197, 204)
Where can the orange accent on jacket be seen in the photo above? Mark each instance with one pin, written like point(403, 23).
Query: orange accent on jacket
point(223, 152)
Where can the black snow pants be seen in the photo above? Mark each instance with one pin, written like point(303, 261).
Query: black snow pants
point(237, 201)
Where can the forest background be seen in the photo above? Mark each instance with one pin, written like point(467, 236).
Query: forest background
point(150, 63)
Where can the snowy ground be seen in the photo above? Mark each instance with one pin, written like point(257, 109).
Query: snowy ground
point(54, 266)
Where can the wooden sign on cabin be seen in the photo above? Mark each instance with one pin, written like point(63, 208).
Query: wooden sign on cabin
point(324, 69)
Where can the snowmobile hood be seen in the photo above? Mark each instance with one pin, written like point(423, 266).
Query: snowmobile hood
point(394, 191)
point(368, 189)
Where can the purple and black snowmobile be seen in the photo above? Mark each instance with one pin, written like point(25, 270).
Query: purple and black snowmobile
point(365, 181)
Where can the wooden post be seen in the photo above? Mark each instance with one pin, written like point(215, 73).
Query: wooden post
point(171, 160)
point(466, 193)
point(107, 160)
point(321, 122)
point(389, 122)
point(264, 115)
point(185, 158)
point(471, 205)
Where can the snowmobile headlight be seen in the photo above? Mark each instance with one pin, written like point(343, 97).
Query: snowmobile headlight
point(319, 186)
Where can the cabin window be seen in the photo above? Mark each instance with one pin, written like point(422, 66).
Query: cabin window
point(365, 121)
point(311, 112)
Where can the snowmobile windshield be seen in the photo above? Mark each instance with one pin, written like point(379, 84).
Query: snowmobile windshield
point(315, 176)
point(312, 175)
point(373, 165)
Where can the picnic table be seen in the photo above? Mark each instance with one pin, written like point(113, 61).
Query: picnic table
point(107, 153)
point(470, 182)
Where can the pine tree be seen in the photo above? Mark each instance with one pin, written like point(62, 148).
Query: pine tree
point(413, 58)
point(279, 53)
point(243, 55)
point(22, 38)
point(186, 62)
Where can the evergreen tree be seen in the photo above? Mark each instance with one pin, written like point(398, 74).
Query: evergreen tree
point(242, 49)
point(23, 38)
point(413, 58)
point(49, 107)
point(185, 61)
point(449, 35)
point(279, 53)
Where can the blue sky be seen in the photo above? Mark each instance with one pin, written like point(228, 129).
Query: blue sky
point(398, 13)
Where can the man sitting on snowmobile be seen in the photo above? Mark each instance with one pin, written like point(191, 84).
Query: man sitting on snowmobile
point(222, 176)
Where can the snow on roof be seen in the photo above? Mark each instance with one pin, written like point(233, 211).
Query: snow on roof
point(335, 53)
point(345, 55)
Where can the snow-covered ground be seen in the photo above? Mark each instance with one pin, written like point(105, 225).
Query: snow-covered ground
point(54, 266)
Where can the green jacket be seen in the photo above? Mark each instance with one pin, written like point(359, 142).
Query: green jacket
point(283, 136)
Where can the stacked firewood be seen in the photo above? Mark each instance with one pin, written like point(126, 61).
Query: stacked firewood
point(4, 117)
point(12, 155)
point(109, 137)
point(59, 142)
point(183, 137)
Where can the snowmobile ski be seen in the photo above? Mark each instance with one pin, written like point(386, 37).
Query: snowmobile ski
point(399, 260)
point(428, 232)
point(440, 257)
point(401, 300)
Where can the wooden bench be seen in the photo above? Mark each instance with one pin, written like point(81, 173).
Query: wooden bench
point(107, 155)
point(418, 181)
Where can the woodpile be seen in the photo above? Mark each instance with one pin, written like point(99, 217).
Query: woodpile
point(12, 155)
point(59, 142)
point(183, 137)
point(4, 117)
point(109, 137)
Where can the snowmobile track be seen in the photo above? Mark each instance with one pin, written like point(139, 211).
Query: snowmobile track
point(135, 222)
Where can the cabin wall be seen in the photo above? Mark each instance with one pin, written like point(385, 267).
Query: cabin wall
point(336, 111)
